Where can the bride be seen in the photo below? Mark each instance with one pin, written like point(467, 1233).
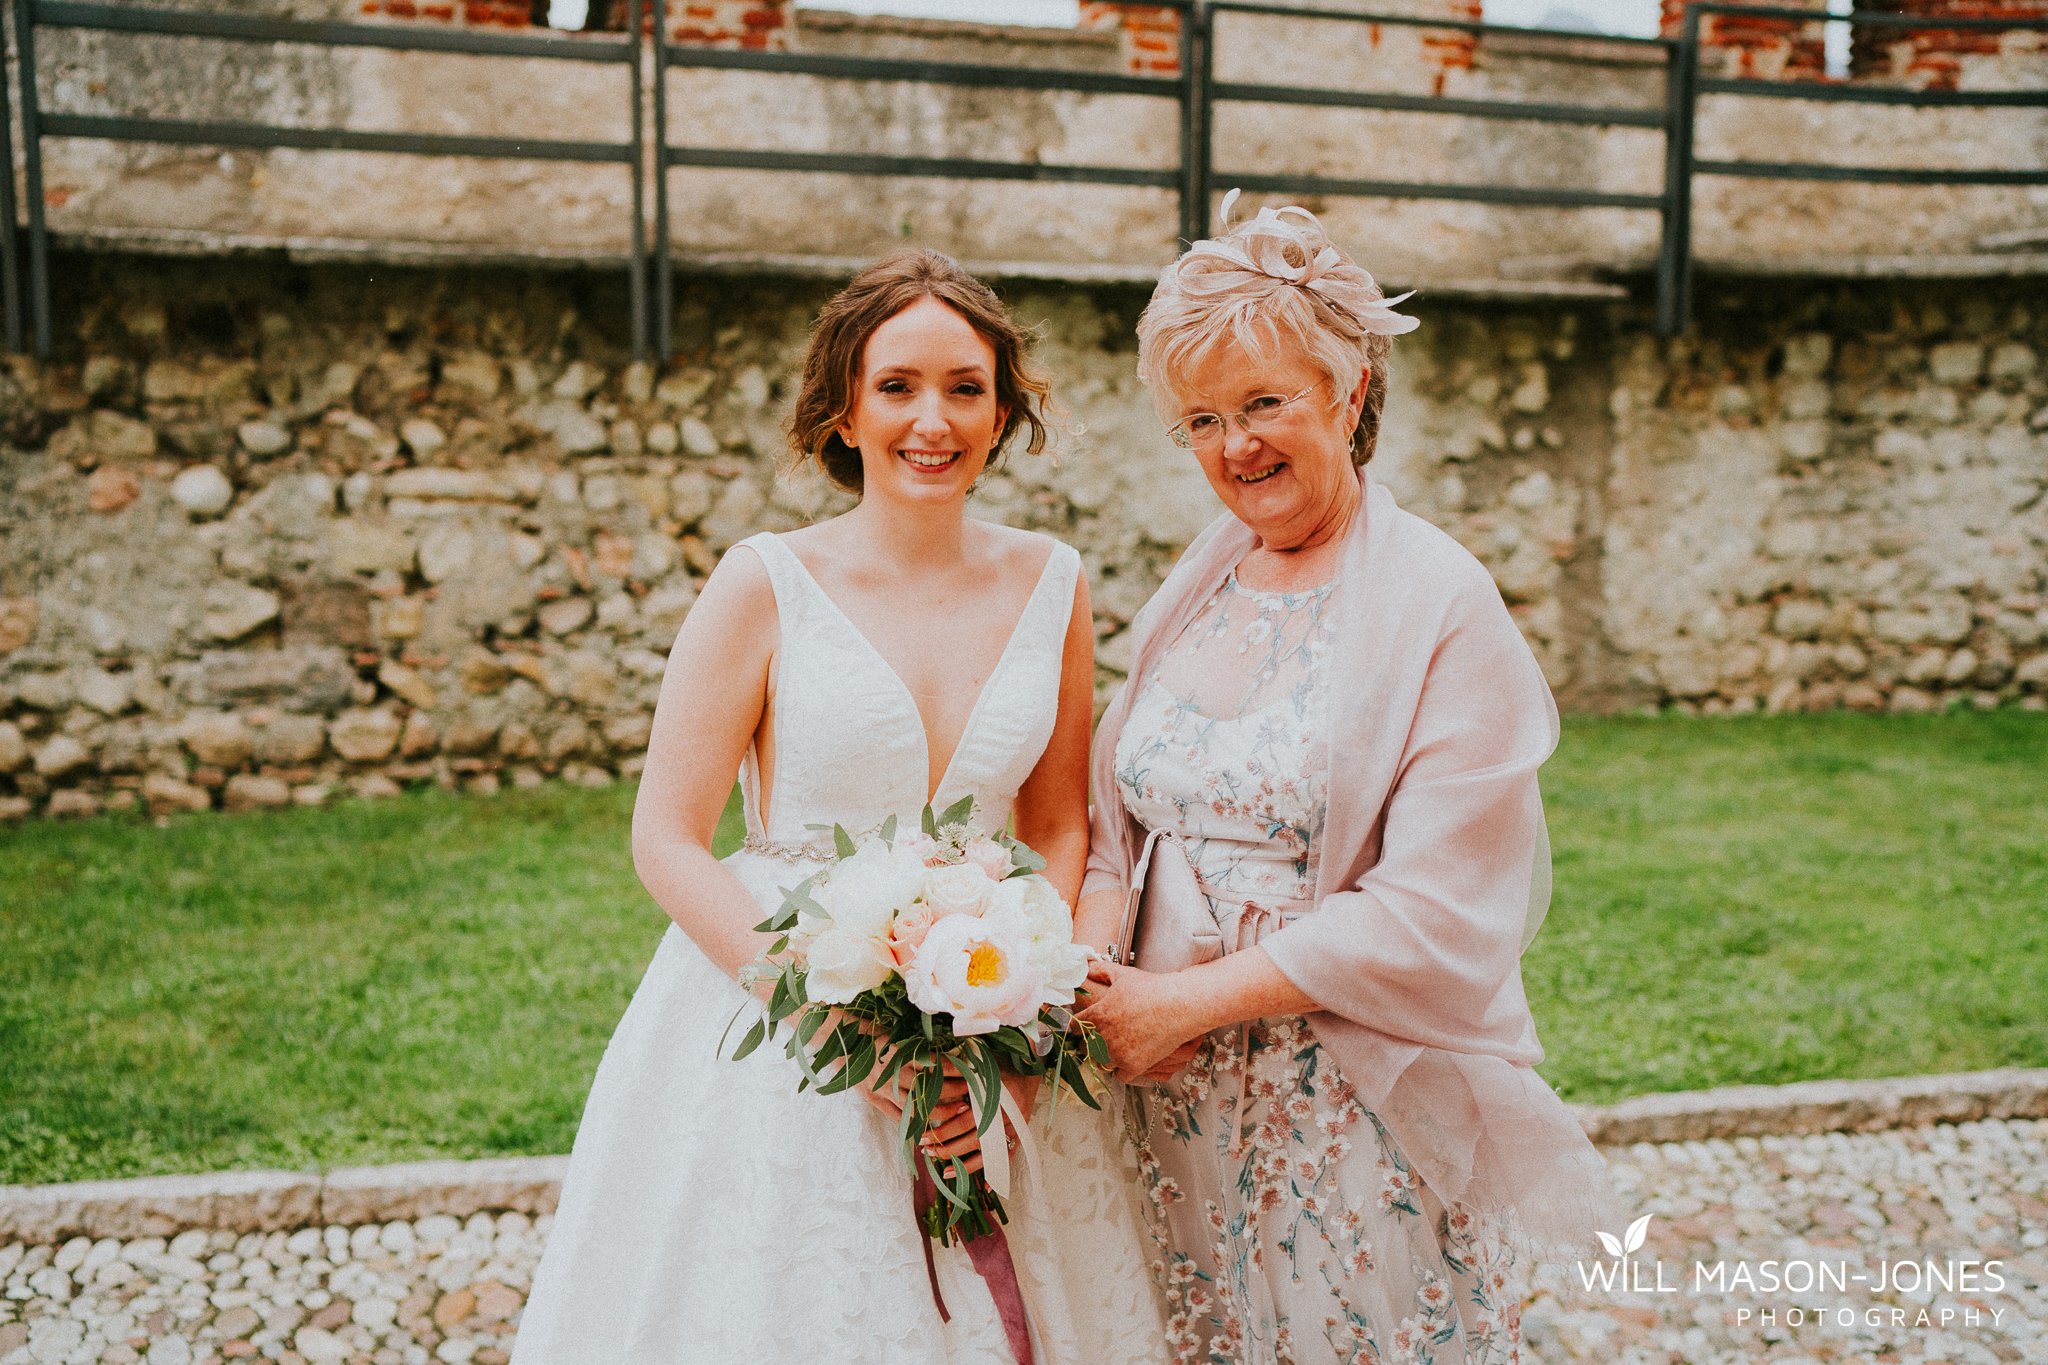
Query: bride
point(896, 655)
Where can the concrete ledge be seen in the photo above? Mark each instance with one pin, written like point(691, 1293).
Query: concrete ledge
point(1819, 1107)
point(264, 1201)
point(379, 1194)
point(161, 1206)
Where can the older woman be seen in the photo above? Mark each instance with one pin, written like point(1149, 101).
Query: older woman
point(1348, 1154)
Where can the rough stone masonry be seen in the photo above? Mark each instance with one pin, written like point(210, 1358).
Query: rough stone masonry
point(275, 533)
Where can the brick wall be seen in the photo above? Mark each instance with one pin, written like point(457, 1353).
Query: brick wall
point(760, 24)
point(1933, 58)
point(1756, 48)
point(1151, 34)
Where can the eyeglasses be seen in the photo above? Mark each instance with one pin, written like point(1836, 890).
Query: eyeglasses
point(1206, 430)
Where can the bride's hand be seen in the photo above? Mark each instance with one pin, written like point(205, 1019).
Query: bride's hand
point(951, 1135)
point(891, 1098)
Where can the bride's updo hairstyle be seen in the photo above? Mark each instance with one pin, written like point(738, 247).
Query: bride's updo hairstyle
point(832, 361)
point(1273, 283)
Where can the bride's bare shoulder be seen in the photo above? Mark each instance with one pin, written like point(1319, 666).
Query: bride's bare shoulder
point(1017, 553)
point(739, 588)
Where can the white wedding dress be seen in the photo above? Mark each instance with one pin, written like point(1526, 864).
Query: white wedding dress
point(713, 1214)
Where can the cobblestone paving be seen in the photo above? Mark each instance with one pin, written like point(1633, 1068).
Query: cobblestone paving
point(1765, 1212)
point(1851, 1223)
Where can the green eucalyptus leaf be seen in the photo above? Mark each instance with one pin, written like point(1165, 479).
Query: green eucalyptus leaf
point(861, 1062)
point(931, 826)
point(960, 812)
point(843, 841)
point(1028, 859)
point(889, 831)
point(752, 1040)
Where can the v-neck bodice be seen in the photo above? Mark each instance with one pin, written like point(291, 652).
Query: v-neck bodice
point(850, 743)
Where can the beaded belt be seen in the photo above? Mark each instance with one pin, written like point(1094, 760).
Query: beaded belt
point(788, 853)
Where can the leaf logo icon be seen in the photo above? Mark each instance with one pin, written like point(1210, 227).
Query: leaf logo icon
point(1638, 1232)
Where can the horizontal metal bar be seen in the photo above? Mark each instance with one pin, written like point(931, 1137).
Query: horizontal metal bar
point(1435, 104)
point(930, 73)
point(327, 139)
point(1921, 21)
point(248, 29)
point(943, 168)
point(1418, 21)
point(1874, 175)
point(1876, 94)
point(1400, 189)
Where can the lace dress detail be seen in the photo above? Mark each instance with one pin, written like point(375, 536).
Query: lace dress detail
point(713, 1214)
point(1291, 1226)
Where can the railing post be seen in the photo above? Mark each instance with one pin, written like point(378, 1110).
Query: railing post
point(10, 246)
point(1198, 74)
point(1674, 260)
point(32, 175)
point(664, 281)
point(637, 277)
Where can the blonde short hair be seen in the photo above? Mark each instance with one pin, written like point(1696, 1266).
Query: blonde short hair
point(1273, 281)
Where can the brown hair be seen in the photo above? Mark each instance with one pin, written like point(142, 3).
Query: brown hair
point(833, 359)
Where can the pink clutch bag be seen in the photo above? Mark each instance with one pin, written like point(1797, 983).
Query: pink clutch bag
point(1167, 924)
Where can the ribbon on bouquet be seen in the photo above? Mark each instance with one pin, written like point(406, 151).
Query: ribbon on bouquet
point(990, 1254)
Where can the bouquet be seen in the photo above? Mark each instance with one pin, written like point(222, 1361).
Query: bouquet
point(943, 946)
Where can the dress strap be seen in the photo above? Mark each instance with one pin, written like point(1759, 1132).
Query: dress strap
point(786, 574)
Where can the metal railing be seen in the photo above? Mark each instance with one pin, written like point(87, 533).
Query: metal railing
point(1195, 90)
point(29, 15)
point(1676, 268)
point(1181, 178)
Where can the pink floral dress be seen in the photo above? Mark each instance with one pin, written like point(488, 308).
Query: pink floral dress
point(1290, 1226)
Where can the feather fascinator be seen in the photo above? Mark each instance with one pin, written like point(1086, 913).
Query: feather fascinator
point(1287, 245)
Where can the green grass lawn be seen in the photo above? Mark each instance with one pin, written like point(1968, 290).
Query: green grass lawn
point(1737, 901)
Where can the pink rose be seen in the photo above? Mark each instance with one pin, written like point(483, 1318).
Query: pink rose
point(923, 847)
point(908, 932)
point(990, 856)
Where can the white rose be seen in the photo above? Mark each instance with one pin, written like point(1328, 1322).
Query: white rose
point(843, 964)
point(957, 889)
point(863, 893)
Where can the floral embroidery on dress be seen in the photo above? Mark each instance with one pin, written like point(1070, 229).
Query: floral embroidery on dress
point(1290, 1228)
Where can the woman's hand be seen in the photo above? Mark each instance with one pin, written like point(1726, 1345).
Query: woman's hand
point(951, 1133)
point(1142, 1018)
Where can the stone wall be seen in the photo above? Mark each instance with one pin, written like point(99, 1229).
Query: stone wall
point(271, 533)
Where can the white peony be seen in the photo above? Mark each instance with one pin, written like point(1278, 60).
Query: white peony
point(957, 889)
point(842, 964)
point(1061, 961)
point(977, 969)
point(863, 893)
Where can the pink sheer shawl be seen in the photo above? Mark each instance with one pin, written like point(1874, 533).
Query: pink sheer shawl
point(1439, 720)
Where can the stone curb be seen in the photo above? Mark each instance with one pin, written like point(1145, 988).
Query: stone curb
point(1819, 1107)
point(264, 1201)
